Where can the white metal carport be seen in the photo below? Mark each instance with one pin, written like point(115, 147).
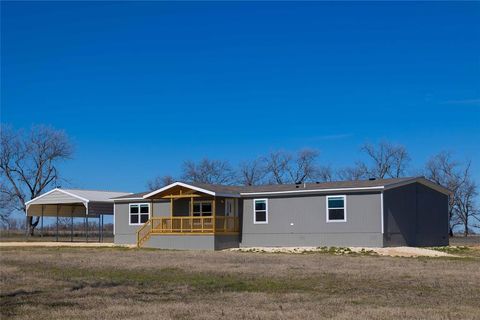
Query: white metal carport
point(73, 203)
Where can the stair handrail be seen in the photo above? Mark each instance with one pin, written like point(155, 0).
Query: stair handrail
point(140, 239)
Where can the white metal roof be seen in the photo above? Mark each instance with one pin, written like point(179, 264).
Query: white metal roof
point(73, 202)
point(81, 195)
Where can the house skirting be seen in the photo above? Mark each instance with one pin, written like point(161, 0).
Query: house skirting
point(192, 242)
point(349, 239)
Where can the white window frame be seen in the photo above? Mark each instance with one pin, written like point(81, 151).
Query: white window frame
point(344, 208)
point(201, 202)
point(139, 220)
point(255, 212)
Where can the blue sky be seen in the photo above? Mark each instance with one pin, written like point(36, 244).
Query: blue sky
point(141, 87)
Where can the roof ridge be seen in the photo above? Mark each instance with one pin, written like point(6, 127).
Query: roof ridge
point(95, 190)
point(293, 184)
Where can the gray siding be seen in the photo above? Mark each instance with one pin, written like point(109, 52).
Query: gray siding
point(124, 232)
point(127, 234)
point(415, 215)
point(301, 221)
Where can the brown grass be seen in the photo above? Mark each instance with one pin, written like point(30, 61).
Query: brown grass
point(107, 283)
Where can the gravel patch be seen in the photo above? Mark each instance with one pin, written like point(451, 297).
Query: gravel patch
point(391, 251)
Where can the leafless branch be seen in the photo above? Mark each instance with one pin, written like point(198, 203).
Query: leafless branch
point(29, 163)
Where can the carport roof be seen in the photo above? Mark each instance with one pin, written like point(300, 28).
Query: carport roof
point(80, 194)
point(72, 203)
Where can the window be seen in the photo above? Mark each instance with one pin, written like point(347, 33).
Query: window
point(260, 211)
point(202, 208)
point(336, 209)
point(139, 213)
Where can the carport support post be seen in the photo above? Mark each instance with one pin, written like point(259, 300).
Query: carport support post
point(102, 227)
point(86, 227)
point(71, 226)
point(56, 236)
point(41, 225)
point(99, 229)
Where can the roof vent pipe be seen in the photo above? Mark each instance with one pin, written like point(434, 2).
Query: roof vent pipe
point(304, 185)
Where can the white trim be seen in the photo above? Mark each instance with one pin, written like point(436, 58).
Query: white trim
point(255, 212)
point(128, 199)
point(312, 191)
point(28, 203)
point(344, 208)
point(139, 214)
point(381, 212)
point(40, 196)
point(189, 186)
point(181, 184)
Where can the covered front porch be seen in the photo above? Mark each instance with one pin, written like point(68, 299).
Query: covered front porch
point(193, 211)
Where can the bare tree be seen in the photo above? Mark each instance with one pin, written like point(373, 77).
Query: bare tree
point(357, 172)
point(276, 164)
point(28, 164)
point(208, 171)
point(323, 174)
point(466, 210)
point(303, 167)
point(252, 172)
point(449, 173)
point(284, 167)
point(12, 224)
point(7, 203)
point(387, 160)
point(160, 182)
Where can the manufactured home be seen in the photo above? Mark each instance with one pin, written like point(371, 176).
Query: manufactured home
point(364, 213)
point(370, 213)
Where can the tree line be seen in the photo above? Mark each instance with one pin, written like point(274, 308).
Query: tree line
point(29, 166)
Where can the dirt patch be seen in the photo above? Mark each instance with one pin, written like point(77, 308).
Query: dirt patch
point(62, 244)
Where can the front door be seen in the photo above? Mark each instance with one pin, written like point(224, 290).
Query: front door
point(230, 207)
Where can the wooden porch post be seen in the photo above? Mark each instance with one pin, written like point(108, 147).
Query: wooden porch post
point(214, 209)
point(191, 206)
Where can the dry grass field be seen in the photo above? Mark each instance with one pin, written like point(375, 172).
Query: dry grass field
point(113, 283)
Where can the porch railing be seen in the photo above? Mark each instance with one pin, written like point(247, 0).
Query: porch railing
point(187, 225)
point(218, 224)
